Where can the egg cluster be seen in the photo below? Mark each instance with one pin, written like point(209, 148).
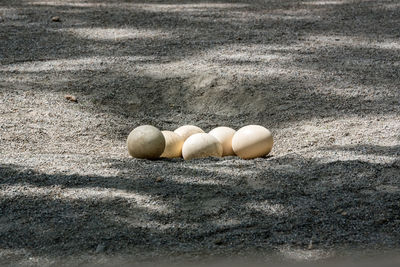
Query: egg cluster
point(191, 142)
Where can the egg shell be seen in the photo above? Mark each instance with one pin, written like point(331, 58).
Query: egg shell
point(173, 145)
point(224, 136)
point(146, 142)
point(201, 145)
point(188, 130)
point(252, 141)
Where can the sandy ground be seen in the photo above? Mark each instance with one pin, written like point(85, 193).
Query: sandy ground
point(323, 76)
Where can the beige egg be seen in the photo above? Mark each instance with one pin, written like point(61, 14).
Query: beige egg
point(188, 130)
point(252, 141)
point(173, 145)
point(201, 145)
point(146, 142)
point(224, 136)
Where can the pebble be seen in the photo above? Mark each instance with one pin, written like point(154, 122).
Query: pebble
point(100, 248)
point(71, 98)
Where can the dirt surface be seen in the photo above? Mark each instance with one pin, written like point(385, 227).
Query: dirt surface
point(323, 76)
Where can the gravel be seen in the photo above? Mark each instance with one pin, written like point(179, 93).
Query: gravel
point(323, 76)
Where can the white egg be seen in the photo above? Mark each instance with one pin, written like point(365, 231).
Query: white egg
point(173, 145)
point(224, 136)
point(187, 130)
point(201, 145)
point(252, 141)
point(146, 142)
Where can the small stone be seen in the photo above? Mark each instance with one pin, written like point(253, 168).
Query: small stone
point(344, 213)
point(100, 248)
point(159, 179)
point(71, 98)
point(56, 19)
point(310, 245)
point(339, 210)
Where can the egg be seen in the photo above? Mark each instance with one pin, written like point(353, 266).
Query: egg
point(173, 145)
point(201, 145)
point(146, 142)
point(224, 136)
point(252, 141)
point(187, 130)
